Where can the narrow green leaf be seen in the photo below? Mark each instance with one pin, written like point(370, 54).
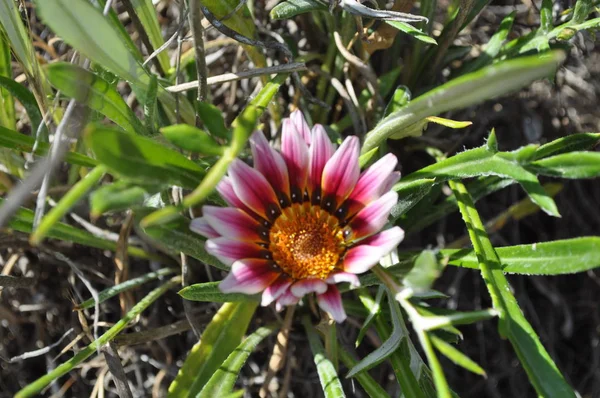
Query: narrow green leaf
point(542, 372)
point(371, 387)
point(290, 8)
point(146, 12)
point(150, 106)
point(14, 140)
point(400, 98)
point(489, 82)
point(120, 195)
point(95, 92)
point(212, 118)
point(547, 258)
point(222, 335)
point(223, 380)
point(192, 139)
point(7, 102)
point(412, 31)
point(34, 388)
point(69, 200)
point(456, 356)
point(374, 309)
point(569, 165)
point(409, 195)
point(142, 159)
point(481, 162)
point(22, 221)
point(16, 32)
point(209, 292)
point(425, 271)
point(27, 99)
point(330, 382)
point(123, 287)
point(570, 143)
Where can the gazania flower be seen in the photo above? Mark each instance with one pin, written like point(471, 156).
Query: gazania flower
point(302, 220)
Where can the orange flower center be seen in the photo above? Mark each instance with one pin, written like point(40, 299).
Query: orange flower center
point(306, 241)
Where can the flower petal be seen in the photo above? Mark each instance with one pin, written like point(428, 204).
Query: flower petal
point(225, 189)
point(254, 190)
point(270, 163)
point(341, 171)
point(299, 122)
point(370, 183)
point(390, 182)
point(249, 276)
point(234, 223)
point(229, 250)
point(385, 240)
point(201, 226)
point(373, 217)
point(295, 154)
point(287, 298)
point(309, 285)
point(275, 290)
point(320, 151)
point(331, 302)
point(339, 277)
point(361, 258)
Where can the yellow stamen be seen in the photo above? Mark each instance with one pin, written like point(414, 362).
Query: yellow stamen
point(306, 241)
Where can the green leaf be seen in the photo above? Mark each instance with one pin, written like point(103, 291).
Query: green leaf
point(492, 81)
point(412, 31)
point(570, 143)
point(23, 221)
point(123, 287)
point(176, 237)
point(569, 165)
point(374, 309)
point(400, 98)
point(481, 162)
point(409, 195)
point(145, 11)
point(27, 99)
point(456, 356)
point(209, 292)
point(142, 159)
point(120, 195)
point(95, 92)
point(330, 382)
point(222, 335)
point(290, 8)
point(425, 271)
point(547, 258)
point(192, 139)
point(84, 27)
point(16, 32)
point(34, 388)
point(371, 387)
point(223, 380)
point(212, 118)
point(21, 142)
point(542, 372)
point(7, 102)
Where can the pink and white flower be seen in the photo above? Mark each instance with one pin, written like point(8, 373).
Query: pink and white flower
point(301, 220)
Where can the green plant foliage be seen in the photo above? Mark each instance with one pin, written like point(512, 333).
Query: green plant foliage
point(220, 338)
point(192, 139)
point(209, 292)
point(27, 99)
point(290, 8)
point(142, 159)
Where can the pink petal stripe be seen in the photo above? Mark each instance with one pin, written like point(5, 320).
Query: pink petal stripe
point(275, 290)
point(370, 183)
point(270, 163)
point(305, 286)
point(229, 250)
point(331, 302)
point(390, 182)
point(295, 154)
point(361, 258)
point(287, 298)
point(201, 226)
point(339, 277)
point(225, 189)
point(342, 171)
point(373, 217)
point(254, 190)
point(385, 240)
point(321, 151)
point(249, 276)
point(234, 223)
point(299, 122)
